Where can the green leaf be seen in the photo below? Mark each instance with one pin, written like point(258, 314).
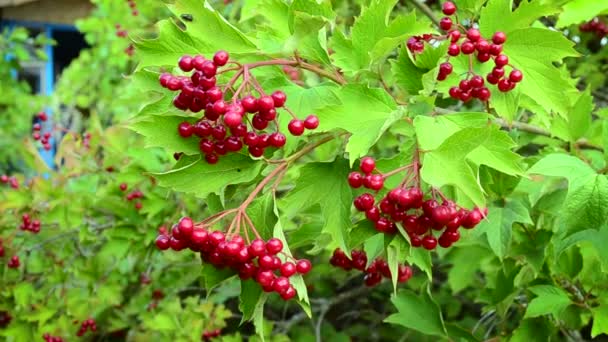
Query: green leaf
point(499, 224)
point(579, 117)
point(407, 75)
point(549, 300)
point(534, 51)
point(214, 276)
point(202, 179)
point(533, 329)
point(586, 206)
point(365, 112)
point(398, 31)
point(600, 320)
point(373, 247)
point(207, 33)
point(335, 209)
point(161, 131)
point(396, 252)
point(497, 16)
point(578, 11)
point(431, 131)
point(422, 259)
point(597, 237)
point(251, 297)
point(463, 272)
point(564, 166)
point(417, 312)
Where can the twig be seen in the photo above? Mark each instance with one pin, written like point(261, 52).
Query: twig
point(426, 10)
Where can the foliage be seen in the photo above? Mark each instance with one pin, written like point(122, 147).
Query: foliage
point(533, 269)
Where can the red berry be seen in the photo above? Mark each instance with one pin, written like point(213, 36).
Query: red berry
point(296, 127)
point(186, 226)
point(220, 58)
point(367, 165)
point(311, 122)
point(473, 34)
point(476, 81)
point(162, 242)
point(232, 119)
point(257, 248)
point(185, 63)
point(429, 242)
point(185, 129)
point(495, 50)
point(265, 278)
point(280, 284)
point(483, 57)
point(467, 48)
point(289, 293)
point(250, 104)
point(448, 8)
point(516, 76)
point(279, 98)
point(454, 49)
point(303, 266)
point(454, 36)
point(274, 246)
point(484, 94)
point(265, 103)
point(355, 179)
point(445, 68)
point(445, 23)
point(482, 46)
point(208, 69)
point(278, 139)
point(499, 38)
point(288, 269)
point(504, 85)
point(501, 60)
point(455, 93)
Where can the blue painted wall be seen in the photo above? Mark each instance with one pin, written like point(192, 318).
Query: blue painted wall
point(48, 81)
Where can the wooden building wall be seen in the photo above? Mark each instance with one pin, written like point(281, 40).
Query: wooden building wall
point(48, 11)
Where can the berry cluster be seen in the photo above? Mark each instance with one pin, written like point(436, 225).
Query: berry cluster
point(596, 26)
point(49, 338)
point(210, 334)
point(133, 7)
point(14, 262)
point(470, 42)
point(5, 319)
point(406, 205)
point(225, 126)
point(85, 326)
point(376, 270)
point(258, 260)
point(29, 225)
point(12, 181)
point(120, 32)
point(133, 195)
point(36, 134)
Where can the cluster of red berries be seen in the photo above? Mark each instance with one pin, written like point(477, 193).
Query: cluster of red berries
point(376, 270)
point(472, 44)
point(36, 134)
point(120, 32)
point(1, 248)
point(85, 326)
point(133, 7)
point(14, 262)
point(28, 224)
point(406, 205)
point(49, 338)
point(12, 181)
point(133, 195)
point(5, 319)
point(596, 26)
point(210, 334)
point(199, 92)
point(257, 261)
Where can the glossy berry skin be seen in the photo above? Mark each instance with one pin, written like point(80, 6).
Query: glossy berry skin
point(274, 246)
point(279, 98)
point(221, 58)
point(288, 269)
point(504, 85)
point(499, 38)
point(501, 60)
point(429, 242)
point(162, 242)
point(454, 50)
point(311, 122)
point(185, 129)
point(467, 48)
point(445, 68)
point(185, 63)
point(303, 266)
point(367, 165)
point(265, 103)
point(448, 8)
point(445, 23)
point(516, 76)
point(473, 34)
point(296, 127)
point(289, 293)
point(355, 180)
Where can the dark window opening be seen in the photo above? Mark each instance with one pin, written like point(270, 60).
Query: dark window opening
point(67, 48)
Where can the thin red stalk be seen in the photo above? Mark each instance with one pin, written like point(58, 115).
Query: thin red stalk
point(396, 171)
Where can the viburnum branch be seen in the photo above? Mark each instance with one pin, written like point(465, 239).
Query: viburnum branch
point(426, 10)
point(294, 63)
